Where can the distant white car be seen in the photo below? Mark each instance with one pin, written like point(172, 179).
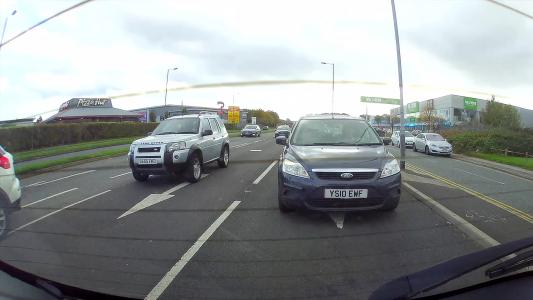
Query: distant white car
point(409, 139)
point(9, 190)
point(432, 143)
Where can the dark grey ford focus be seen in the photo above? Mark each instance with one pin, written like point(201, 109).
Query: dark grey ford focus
point(336, 163)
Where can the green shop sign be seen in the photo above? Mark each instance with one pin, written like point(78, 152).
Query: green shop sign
point(380, 100)
point(470, 103)
point(413, 107)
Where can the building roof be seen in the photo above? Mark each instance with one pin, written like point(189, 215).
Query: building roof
point(93, 112)
point(80, 108)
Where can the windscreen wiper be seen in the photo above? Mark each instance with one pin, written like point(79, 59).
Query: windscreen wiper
point(166, 132)
point(368, 144)
point(522, 260)
point(411, 285)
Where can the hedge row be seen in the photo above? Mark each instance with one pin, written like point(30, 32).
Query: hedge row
point(34, 137)
point(489, 140)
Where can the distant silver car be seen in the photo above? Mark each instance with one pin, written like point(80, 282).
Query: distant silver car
point(251, 130)
point(181, 144)
point(409, 139)
point(432, 143)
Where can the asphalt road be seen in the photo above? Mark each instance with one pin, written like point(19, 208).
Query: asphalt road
point(95, 227)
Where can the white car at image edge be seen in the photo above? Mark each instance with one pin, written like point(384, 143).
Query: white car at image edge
point(10, 193)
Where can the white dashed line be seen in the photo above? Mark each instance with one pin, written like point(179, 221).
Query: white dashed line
point(58, 179)
point(49, 197)
point(265, 172)
point(120, 175)
point(162, 285)
point(56, 211)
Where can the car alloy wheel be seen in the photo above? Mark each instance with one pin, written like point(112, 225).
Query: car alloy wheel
point(224, 161)
point(197, 168)
point(427, 150)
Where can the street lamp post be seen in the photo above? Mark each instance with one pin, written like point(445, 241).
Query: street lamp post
point(400, 83)
point(5, 25)
point(332, 85)
point(166, 87)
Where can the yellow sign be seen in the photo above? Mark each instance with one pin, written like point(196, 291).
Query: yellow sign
point(234, 115)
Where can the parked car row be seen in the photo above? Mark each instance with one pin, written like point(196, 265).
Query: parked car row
point(429, 143)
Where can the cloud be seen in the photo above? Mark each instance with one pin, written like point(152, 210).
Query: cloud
point(219, 54)
point(488, 44)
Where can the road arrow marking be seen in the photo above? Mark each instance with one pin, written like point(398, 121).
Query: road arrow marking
point(338, 218)
point(153, 199)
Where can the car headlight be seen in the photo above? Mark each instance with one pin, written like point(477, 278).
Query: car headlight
point(390, 168)
point(176, 146)
point(132, 148)
point(294, 168)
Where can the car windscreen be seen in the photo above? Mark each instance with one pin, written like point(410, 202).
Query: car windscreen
point(250, 127)
point(284, 127)
point(339, 132)
point(434, 137)
point(177, 126)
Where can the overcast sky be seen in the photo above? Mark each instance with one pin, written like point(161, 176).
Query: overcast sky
point(110, 48)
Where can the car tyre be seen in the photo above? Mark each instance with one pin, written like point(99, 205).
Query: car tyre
point(426, 150)
point(414, 148)
point(223, 161)
point(193, 172)
point(283, 207)
point(140, 176)
point(4, 220)
point(391, 204)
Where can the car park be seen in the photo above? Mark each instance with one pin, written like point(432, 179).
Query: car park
point(182, 144)
point(283, 130)
point(395, 139)
point(10, 192)
point(336, 164)
point(251, 130)
point(432, 143)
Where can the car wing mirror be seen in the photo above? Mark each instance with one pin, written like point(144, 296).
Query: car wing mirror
point(281, 140)
point(207, 132)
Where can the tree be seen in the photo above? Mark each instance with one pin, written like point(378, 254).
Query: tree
point(427, 114)
point(501, 115)
point(378, 119)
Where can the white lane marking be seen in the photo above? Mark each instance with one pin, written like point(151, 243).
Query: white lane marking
point(49, 197)
point(58, 179)
point(255, 150)
point(176, 269)
point(120, 175)
point(153, 199)
point(338, 218)
point(56, 211)
point(489, 179)
point(246, 144)
point(35, 183)
point(470, 230)
point(265, 172)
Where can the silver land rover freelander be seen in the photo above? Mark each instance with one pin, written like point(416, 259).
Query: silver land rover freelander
point(181, 144)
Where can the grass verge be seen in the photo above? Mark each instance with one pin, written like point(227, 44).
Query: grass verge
point(56, 150)
point(68, 161)
point(522, 162)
